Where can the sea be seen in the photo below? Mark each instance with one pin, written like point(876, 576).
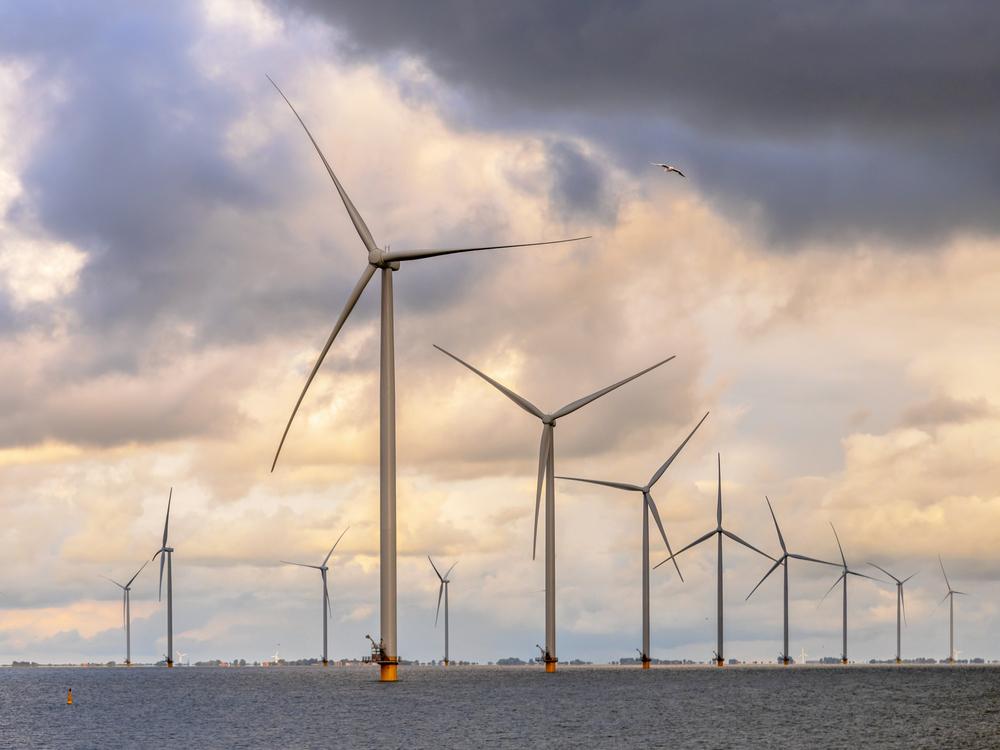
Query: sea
point(502, 707)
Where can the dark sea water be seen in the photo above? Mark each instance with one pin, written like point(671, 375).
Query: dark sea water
point(309, 707)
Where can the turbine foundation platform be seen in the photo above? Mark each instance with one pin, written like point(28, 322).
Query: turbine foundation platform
point(387, 671)
point(645, 663)
point(719, 662)
point(550, 666)
point(843, 660)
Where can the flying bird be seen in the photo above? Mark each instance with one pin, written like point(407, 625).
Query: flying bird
point(667, 168)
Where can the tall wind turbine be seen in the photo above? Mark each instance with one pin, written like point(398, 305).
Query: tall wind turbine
point(900, 608)
point(385, 262)
point(718, 532)
point(167, 553)
point(127, 611)
point(950, 596)
point(546, 473)
point(843, 579)
point(783, 561)
point(648, 506)
point(443, 589)
point(323, 568)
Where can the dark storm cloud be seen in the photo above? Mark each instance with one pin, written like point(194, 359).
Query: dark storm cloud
point(839, 119)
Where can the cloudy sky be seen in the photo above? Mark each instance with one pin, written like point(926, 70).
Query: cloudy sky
point(172, 256)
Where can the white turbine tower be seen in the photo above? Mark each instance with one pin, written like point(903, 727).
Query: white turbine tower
point(167, 554)
point(648, 506)
point(843, 579)
point(323, 568)
point(443, 589)
point(718, 532)
point(950, 596)
point(127, 611)
point(384, 261)
point(546, 473)
point(900, 609)
point(783, 561)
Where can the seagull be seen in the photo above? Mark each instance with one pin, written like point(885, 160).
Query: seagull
point(667, 168)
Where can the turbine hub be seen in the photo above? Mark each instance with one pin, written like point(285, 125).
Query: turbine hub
point(549, 420)
point(376, 258)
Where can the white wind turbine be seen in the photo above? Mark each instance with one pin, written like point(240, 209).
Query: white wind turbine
point(180, 658)
point(384, 261)
point(167, 554)
point(900, 608)
point(950, 596)
point(648, 506)
point(783, 561)
point(718, 532)
point(843, 579)
point(443, 589)
point(323, 568)
point(127, 611)
point(546, 472)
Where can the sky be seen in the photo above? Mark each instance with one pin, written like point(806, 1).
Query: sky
point(173, 255)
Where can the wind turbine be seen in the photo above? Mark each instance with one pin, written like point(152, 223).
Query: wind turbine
point(900, 608)
point(180, 658)
point(843, 578)
point(167, 553)
point(783, 561)
point(648, 506)
point(385, 262)
point(127, 611)
point(546, 472)
point(718, 532)
point(323, 568)
point(443, 588)
point(950, 596)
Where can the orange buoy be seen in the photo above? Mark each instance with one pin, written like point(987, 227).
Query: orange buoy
point(69, 697)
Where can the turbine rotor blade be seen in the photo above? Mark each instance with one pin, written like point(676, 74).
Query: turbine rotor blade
point(159, 597)
point(745, 543)
point(435, 568)
point(401, 255)
point(359, 223)
point(907, 578)
point(813, 559)
point(327, 558)
point(519, 400)
point(862, 575)
point(438, 612)
point(718, 508)
point(616, 485)
point(448, 572)
point(886, 572)
point(326, 595)
point(581, 402)
point(947, 582)
point(352, 300)
point(902, 603)
point(666, 464)
point(768, 573)
point(777, 528)
point(113, 581)
point(839, 579)
point(130, 580)
point(544, 449)
point(837, 537)
point(166, 523)
point(301, 565)
point(659, 524)
point(695, 543)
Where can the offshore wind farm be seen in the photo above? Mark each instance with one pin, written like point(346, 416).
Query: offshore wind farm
point(767, 234)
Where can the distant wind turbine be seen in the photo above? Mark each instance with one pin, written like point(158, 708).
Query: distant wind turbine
point(783, 561)
point(180, 657)
point(546, 473)
point(384, 261)
point(167, 554)
point(648, 506)
point(718, 532)
point(843, 578)
point(127, 610)
point(900, 608)
point(323, 568)
point(443, 589)
point(950, 596)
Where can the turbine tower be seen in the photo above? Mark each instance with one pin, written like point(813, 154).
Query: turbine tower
point(843, 578)
point(900, 608)
point(443, 589)
point(127, 610)
point(950, 596)
point(167, 554)
point(648, 506)
point(385, 262)
point(546, 473)
point(323, 568)
point(718, 532)
point(783, 561)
